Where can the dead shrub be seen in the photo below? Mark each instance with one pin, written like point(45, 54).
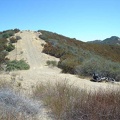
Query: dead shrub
point(70, 103)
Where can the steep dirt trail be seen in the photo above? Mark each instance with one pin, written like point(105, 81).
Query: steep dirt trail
point(30, 49)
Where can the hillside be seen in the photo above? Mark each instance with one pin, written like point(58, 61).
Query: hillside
point(6, 46)
point(77, 57)
point(30, 48)
point(37, 52)
point(33, 50)
point(114, 40)
point(107, 51)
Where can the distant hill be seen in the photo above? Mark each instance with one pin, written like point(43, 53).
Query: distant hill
point(114, 40)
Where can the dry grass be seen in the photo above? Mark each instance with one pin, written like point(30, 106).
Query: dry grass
point(70, 103)
point(14, 106)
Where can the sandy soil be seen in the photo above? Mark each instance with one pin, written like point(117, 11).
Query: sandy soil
point(30, 49)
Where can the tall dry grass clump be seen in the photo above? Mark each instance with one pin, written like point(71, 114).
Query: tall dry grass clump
point(14, 106)
point(70, 103)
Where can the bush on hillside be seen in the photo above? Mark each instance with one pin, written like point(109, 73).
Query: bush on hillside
point(16, 30)
point(2, 59)
point(54, 51)
point(3, 52)
point(5, 35)
point(17, 65)
point(3, 44)
point(10, 47)
point(13, 40)
point(51, 63)
point(8, 34)
point(18, 37)
point(101, 66)
point(68, 65)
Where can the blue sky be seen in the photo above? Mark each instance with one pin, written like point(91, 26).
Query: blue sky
point(82, 19)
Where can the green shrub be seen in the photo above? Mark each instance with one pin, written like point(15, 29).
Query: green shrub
point(43, 37)
point(3, 52)
point(18, 37)
point(3, 44)
point(13, 40)
point(2, 58)
point(11, 33)
point(10, 47)
point(101, 66)
point(17, 65)
point(42, 44)
point(5, 35)
point(53, 50)
point(8, 33)
point(51, 63)
point(68, 65)
point(16, 30)
point(48, 62)
point(68, 62)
